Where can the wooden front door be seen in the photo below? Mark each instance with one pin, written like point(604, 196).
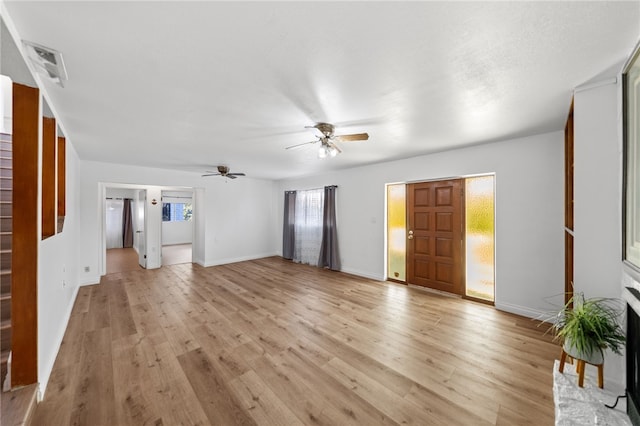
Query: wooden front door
point(435, 255)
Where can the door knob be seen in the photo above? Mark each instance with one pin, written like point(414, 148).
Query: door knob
point(410, 235)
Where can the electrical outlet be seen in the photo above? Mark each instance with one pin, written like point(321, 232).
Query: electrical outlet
point(87, 269)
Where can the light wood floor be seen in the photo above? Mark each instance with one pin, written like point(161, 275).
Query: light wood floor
point(273, 342)
point(126, 259)
point(122, 260)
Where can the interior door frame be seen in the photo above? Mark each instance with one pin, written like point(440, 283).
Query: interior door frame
point(102, 191)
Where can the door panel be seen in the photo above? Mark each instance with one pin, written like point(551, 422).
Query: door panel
point(444, 196)
point(444, 272)
point(142, 227)
point(444, 222)
point(421, 221)
point(422, 245)
point(435, 255)
point(444, 247)
point(421, 197)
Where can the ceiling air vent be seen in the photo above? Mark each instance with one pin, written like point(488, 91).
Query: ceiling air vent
point(46, 61)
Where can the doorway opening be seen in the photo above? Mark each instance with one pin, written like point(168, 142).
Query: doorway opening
point(120, 213)
point(177, 227)
point(153, 246)
point(424, 246)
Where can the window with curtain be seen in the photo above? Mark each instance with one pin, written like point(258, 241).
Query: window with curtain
point(309, 233)
point(308, 226)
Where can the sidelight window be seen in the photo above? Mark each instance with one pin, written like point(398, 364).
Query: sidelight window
point(480, 237)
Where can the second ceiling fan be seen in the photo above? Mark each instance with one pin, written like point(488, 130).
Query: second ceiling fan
point(328, 139)
point(224, 172)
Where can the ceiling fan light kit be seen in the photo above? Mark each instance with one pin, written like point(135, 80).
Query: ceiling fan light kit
point(327, 150)
point(328, 139)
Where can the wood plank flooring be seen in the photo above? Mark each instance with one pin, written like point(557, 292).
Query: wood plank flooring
point(18, 406)
point(271, 342)
point(122, 260)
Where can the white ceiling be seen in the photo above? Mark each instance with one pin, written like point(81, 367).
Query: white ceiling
point(190, 85)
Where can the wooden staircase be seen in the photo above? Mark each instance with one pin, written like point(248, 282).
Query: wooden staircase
point(6, 228)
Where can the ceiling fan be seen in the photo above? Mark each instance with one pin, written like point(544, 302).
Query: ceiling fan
point(224, 172)
point(328, 139)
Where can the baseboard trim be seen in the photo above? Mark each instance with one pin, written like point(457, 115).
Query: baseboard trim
point(434, 291)
point(44, 376)
point(94, 279)
point(236, 259)
point(362, 274)
point(520, 310)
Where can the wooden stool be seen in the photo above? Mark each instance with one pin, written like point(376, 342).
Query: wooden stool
point(580, 367)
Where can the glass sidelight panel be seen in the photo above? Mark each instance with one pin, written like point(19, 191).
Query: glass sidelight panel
point(480, 237)
point(396, 231)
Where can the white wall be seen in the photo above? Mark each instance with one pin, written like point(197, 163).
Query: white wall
point(529, 213)
point(239, 220)
point(597, 192)
point(598, 202)
point(177, 232)
point(199, 224)
point(235, 217)
point(58, 278)
point(120, 193)
point(6, 104)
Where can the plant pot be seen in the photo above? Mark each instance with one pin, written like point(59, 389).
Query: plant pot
point(596, 357)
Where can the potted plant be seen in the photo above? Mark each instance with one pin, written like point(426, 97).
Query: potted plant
point(588, 326)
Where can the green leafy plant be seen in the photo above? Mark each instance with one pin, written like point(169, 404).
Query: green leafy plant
point(590, 325)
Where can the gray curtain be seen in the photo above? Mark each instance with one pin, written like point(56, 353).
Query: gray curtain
point(288, 232)
point(329, 255)
point(127, 224)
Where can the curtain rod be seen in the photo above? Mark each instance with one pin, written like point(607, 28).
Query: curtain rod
point(118, 198)
point(311, 189)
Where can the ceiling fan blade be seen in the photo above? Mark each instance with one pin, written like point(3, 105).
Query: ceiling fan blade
point(301, 144)
point(236, 174)
point(352, 137)
point(211, 174)
point(231, 176)
point(316, 132)
point(322, 130)
point(335, 146)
